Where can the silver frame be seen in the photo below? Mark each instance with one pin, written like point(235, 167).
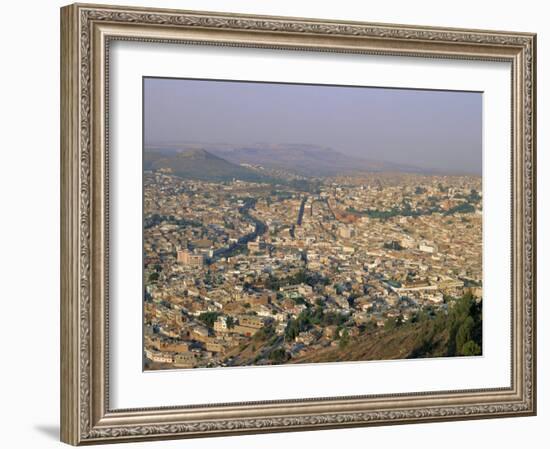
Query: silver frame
point(87, 31)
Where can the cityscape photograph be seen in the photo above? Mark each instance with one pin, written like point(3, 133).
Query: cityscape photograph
point(297, 223)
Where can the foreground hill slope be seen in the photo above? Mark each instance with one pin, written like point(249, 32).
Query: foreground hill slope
point(457, 332)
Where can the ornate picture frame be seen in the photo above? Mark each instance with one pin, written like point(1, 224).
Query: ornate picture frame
point(87, 32)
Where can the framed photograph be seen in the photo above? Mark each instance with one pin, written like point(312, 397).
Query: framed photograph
point(280, 224)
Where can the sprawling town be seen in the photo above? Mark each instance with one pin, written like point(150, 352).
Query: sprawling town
point(241, 273)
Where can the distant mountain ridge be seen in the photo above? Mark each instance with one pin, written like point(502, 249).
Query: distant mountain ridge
point(302, 159)
point(305, 160)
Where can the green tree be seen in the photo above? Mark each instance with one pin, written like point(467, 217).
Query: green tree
point(471, 348)
point(464, 322)
point(292, 330)
point(464, 333)
point(344, 339)
point(278, 355)
point(209, 318)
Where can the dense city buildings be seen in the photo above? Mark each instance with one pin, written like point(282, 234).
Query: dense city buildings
point(366, 266)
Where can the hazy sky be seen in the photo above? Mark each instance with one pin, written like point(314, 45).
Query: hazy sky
point(429, 129)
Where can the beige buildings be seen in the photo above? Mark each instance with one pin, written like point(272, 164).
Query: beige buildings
point(186, 257)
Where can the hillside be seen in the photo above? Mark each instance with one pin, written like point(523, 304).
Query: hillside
point(199, 164)
point(301, 159)
point(456, 333)
point(427, 335)
point(401, 343)
point(306, 160)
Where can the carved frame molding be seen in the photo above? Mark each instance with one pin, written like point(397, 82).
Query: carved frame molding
point(87, 31)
